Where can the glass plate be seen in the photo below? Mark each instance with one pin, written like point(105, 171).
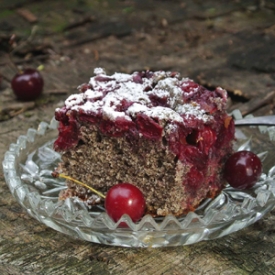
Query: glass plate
point(28, 165)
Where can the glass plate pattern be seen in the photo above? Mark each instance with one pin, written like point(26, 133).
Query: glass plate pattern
point(29, 162)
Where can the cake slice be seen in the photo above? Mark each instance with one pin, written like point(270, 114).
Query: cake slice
point(165, 134)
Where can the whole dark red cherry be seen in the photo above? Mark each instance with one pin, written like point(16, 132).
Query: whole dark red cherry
point(27, 85)
point(242, 169)
point(125, 198)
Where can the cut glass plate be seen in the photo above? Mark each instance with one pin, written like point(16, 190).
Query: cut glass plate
point(28, 165)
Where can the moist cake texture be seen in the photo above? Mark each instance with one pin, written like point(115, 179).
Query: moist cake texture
point(165, 134)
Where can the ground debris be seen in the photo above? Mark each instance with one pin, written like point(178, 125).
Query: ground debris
point(13, 109)
point(27, 14)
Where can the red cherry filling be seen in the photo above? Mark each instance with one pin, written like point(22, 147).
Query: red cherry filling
point(148, 127)
point(190, 87)
point(68, 136)
point(138, 78)
point(194, 156)
point(27, 85)
point(195, 180)
point(203, 139)
point(242, 169)
point(206, 139)
point(60, 115)
point(125, 198)
point(116, 128)
point(158, 101)
point(124, 105)
point(84, 87)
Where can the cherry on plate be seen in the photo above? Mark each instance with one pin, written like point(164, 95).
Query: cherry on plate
point(27, 85)
point(242, 169)
point(125, 198)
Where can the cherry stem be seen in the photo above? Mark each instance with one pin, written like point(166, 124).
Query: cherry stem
point(80, 183)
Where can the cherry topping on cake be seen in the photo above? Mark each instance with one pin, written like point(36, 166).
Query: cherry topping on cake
point(195, 180)
point(242, 169)
point(158, 101)
point(194, 156)
point(27, 85)
point(116, 128)
point(206, 139)
point(203, 139)
point(61, 115)
point(138, 78)
point(190, 87)
point(69, 135)
point(148, 127)
point(125, 198)
point(84, 87)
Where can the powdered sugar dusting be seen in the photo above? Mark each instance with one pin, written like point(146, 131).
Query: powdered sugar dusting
point(98, 71)
point(90, 94)
point(109, 84)
point(170, 128)
point(133, 92)
point(192, 109)
point(158, 112)
point(73, 100)
point(89, 107)
point(110, 113)
point(122, 77)
point(137, 108)
point(124, 95)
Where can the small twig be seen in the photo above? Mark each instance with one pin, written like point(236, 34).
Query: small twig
point(255, 103)
point(9, 108)
point(27, 41)
point(13, 114)
point(27, 14)
point(80, 23)
point(96, 55)
point(14, 109)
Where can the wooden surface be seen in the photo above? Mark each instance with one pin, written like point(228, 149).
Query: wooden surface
point(230, 44)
